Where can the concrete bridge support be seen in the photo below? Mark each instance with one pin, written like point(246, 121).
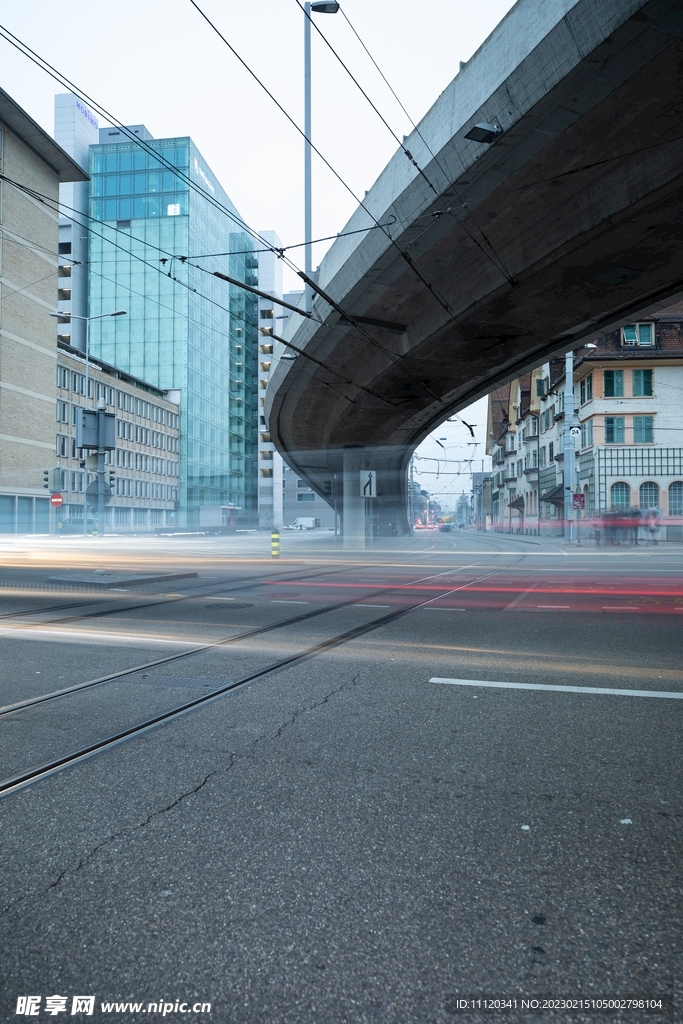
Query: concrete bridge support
point(353, 515)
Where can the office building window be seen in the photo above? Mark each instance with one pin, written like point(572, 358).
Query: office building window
point(551, 451)
point(642, 383)
point(649, 495)
point(305, 497)
point(62, 377)
point(638, 336)
point(586, 389)
point(614, 383)
point(620, 495)
point(614, 429)
point(676, 498)
point(62, 412)
point(643, 429)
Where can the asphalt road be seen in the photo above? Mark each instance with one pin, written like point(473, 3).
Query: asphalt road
point(344, 839)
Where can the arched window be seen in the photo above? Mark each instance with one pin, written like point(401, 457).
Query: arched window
point(676, 498)
point(649, 494)
point(620, 495)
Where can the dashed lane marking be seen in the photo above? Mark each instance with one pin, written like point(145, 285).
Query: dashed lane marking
point(607, 691)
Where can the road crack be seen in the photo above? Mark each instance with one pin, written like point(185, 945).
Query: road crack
point(233, 760)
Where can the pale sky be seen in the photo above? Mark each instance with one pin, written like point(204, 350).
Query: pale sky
point(158, 63)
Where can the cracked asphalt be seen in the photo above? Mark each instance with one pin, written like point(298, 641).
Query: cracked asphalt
point(343, 840)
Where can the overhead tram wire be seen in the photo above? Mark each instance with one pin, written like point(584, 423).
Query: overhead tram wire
point(49, 69)
point(46, 200)
point(384, 121)
point(492, 256)
point(406, 256)
point(63, 80)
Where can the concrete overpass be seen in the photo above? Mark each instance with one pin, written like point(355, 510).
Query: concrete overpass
point(568, 224)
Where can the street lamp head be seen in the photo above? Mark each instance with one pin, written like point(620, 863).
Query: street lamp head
point(590, 345)
point(324, 7)
point(64, 313)
point(119, 312)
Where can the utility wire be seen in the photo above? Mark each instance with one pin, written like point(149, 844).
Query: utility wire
point(47, 200)
point(44, 65)
point(362, 90)
point(492, 256)
point(405, 255)
point(58, 76)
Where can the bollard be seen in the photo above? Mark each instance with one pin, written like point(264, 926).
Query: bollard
point(275, 544)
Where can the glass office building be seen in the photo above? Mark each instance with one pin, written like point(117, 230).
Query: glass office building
point(185, 329)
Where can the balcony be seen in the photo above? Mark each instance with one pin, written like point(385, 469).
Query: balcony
point(531, 471)
point(510, 476)
point(530, 438)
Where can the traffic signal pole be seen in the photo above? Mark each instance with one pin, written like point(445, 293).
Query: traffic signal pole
point(569, 458)
point(101, 441)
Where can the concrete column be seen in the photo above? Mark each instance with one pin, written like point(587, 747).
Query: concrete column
point(353, 515)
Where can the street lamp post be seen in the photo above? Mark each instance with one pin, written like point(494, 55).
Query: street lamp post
point(310, 7)
point(100, 455)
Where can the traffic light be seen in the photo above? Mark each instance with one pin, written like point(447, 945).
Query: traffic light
point(112, 478)
point(46, 479)
point(328, 488)
point(52, 479)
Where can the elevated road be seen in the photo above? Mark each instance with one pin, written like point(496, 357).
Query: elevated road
point(493, 256)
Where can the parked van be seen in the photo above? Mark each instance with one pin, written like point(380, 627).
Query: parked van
point(304, 523)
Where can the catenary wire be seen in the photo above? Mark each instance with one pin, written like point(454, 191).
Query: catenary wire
point(492, 256)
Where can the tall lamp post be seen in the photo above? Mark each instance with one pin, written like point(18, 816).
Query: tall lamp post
point(100, 458)
point(310, 7)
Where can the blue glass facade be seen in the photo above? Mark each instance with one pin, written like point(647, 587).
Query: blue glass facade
point(185, 329)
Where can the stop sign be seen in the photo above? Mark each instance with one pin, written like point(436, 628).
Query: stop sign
point(56, 500)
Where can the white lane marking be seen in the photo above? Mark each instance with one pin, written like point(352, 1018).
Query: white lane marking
point(221, 599)
point(556, 606)
point(670, 694)
point(520, 597)
point(619, 608)
point(290, 602)
point(364, 605)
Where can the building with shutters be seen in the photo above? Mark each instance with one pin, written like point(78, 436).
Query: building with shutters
point(629, 455)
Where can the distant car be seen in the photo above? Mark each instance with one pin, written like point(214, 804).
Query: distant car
point(446, 526)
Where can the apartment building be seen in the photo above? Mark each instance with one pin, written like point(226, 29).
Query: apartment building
point(630, 450)
point(143, 471)
point(33, 165)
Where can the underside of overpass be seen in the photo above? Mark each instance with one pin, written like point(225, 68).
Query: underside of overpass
point(570, 223)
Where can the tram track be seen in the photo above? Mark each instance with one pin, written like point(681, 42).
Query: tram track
point(37, 773)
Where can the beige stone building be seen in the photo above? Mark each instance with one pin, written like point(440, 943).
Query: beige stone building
point(144, 469)
point(32, 166)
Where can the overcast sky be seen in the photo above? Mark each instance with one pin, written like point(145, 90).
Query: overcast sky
point(158, 63)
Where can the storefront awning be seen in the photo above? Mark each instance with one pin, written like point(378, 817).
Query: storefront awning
point(518, 503)
point(555, 496)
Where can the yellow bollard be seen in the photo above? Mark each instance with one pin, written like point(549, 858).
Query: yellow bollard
point(275, 544)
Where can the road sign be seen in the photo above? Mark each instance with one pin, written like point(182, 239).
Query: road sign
point(368, 483)
point(578, 501)
point(91, 494)
point(56, 500)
